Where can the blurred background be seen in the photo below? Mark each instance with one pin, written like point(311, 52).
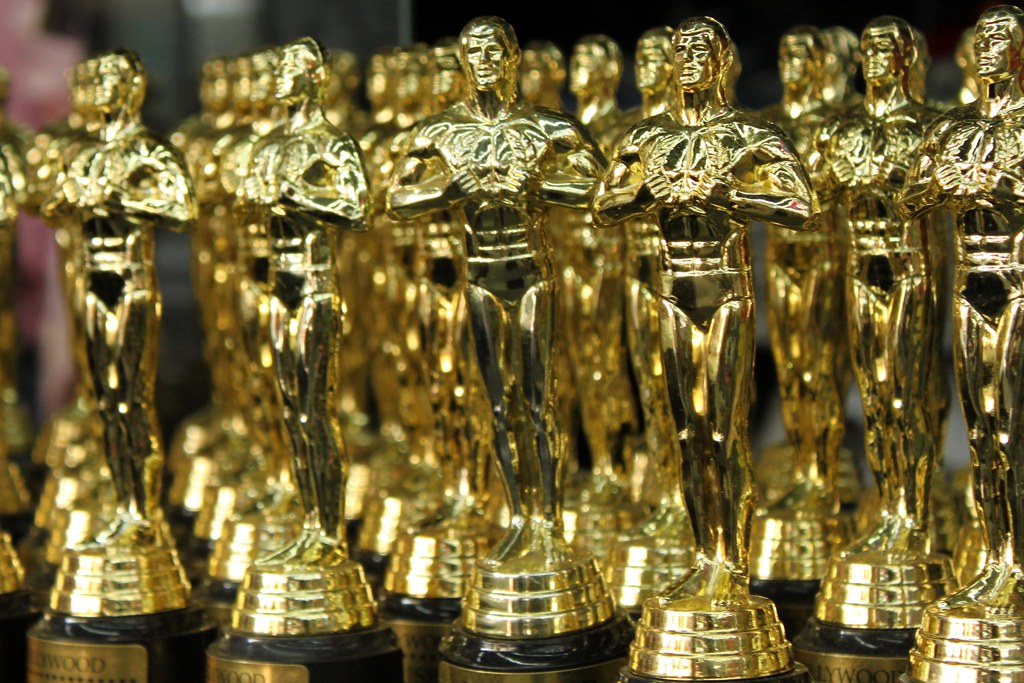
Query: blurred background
point(39, 39)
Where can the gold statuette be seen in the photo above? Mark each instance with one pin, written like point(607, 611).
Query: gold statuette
point(116, 184)
point(498, 162)
point(878, 587)
point(704, 170)
point(794, 535)
point(969, 164)
point(650, 555)
point(593, 282)
point(308, 603)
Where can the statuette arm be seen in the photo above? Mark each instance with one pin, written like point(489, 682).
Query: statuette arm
point(422, 183)
point(929, 182)
point(772, 186)
point(156, 187)
point(574, 170)
point(332, 188)
point(623, 192)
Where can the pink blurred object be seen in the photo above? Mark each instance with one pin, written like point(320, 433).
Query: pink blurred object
point(37, 62)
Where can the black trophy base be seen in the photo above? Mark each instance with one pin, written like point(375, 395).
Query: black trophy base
point(217, 598)
point(371, 655)
point(420, 624)
point(799, 674)
point(17, 614)
point(592, 656)
point(169, 647)
point(840, 653)
point(794, 600)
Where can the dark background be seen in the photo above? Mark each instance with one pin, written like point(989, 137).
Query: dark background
point(174, 36)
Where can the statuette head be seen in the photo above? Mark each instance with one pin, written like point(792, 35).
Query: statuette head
point(702, 54)
point(998, 41)
point(595, 65)
point(490, 53)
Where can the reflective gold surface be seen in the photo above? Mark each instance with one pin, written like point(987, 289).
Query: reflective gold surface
point(498, 163)
point(794, 535)
point(306, 179)
point(888, 576)
point(435, 558)
point(704, 170)
point(969, 165)
point(593, 286)
point(259, 500)
point(647, 557)
point(115, 185)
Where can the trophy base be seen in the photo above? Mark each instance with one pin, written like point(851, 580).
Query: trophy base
point(420, 624)
point(167, 647)
point(17, 614)
point(794, 600)
point(596, 654)
point(841, 653)
point(217, 598)
point(367, 655)
point(799, 674)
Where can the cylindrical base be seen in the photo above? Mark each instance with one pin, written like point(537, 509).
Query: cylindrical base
point(794, 600)
point(16, 616)
point(799, 674)
point(168, 647)
point(358, 656)
point(840, 653)
point(420, 624)
point(595, 655)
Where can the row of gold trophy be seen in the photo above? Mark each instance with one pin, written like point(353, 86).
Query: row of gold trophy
point(417, 316)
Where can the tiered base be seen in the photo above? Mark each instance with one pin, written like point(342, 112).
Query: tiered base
point(698, 638)
point(168, 647)
point(506, 601)
point(299, 600)
point(976, 636)
point(137, 572)
point(593, 655)
point(874, 589)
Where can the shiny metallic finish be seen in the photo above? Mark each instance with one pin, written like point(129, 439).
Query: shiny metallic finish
point(306, 179)
point(498, 163)
point(681, 168)
point(893, 277)
point(114, 185)
point(968, 165)
point(794, 535)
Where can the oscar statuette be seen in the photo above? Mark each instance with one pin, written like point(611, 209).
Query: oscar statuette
point(703, 170)
point(795, 533)
point(536, 608)
point(875, 590)
point(969, 165)
point(120, 606)
point(432, 562)
point(647, 557)
point(305, 613)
